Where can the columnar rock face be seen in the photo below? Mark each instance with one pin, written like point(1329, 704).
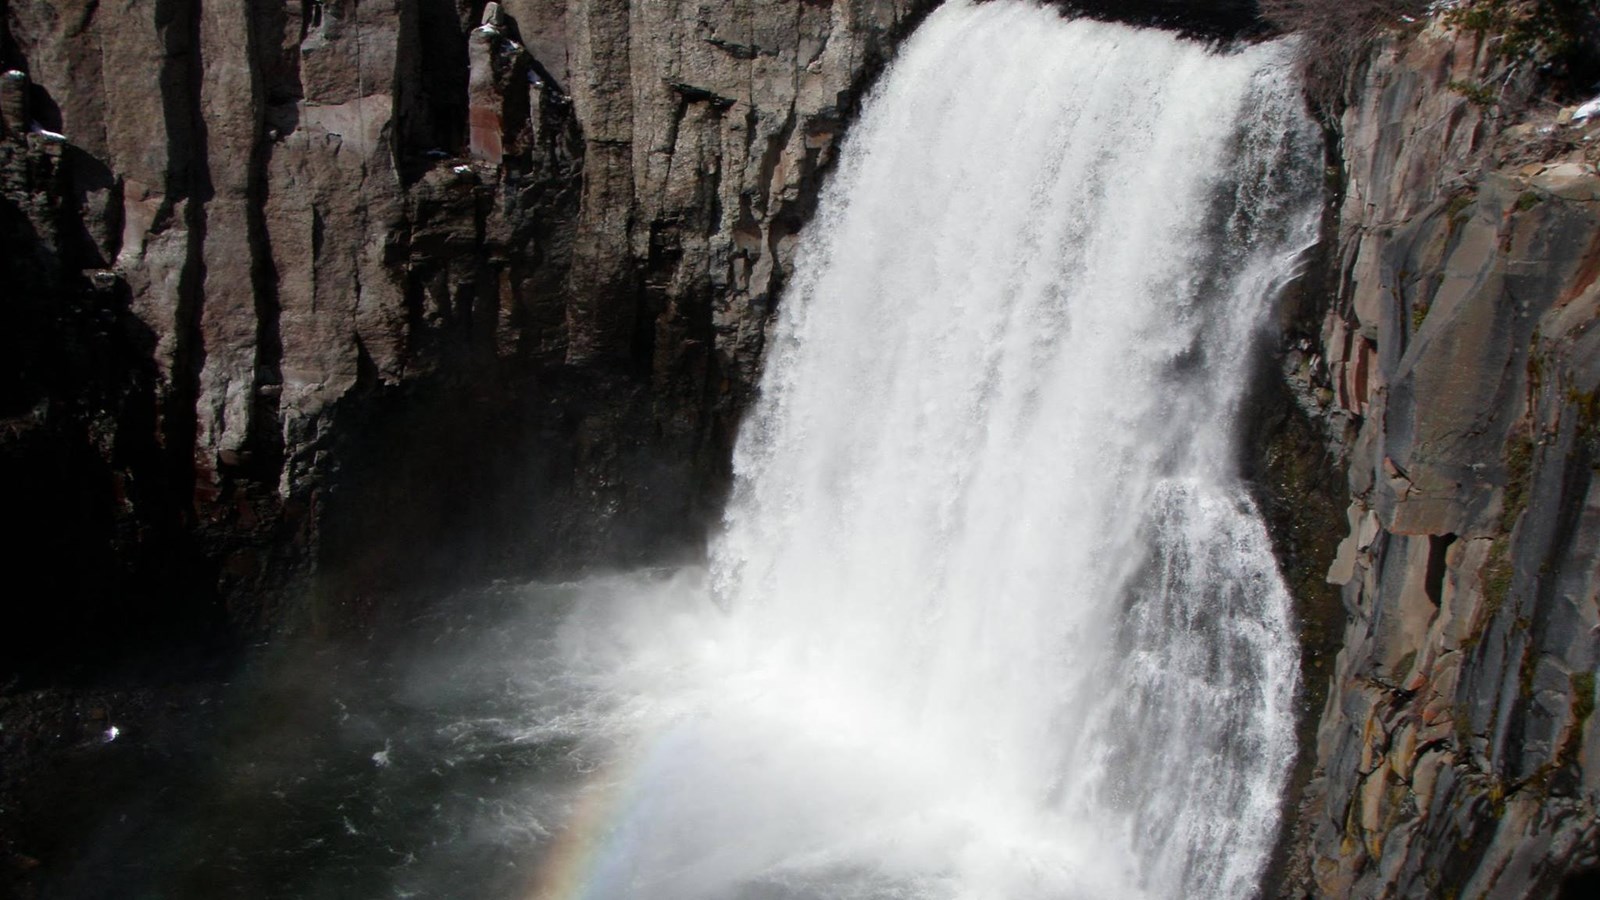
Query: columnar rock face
point(322, 298)
point(1458, 752)
point(292, 278)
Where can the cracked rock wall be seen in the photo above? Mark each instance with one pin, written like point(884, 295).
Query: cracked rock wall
point(1458, 754)
point(334, 296)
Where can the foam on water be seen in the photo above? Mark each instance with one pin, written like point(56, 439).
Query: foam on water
point(991, 614)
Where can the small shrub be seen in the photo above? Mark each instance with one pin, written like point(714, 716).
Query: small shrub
point(1546, 32)
point(1582, 696)
point(1461, 724)
point(1519, 470)
point(1335, 32)
point(1587, 404)
point(1526, 670)
point(1496, 578)
point(1477, 93)
point(1562, 37)
point(1458, 212)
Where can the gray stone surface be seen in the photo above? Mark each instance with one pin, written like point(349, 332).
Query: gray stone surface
point(1455, 752)
point(575, 221)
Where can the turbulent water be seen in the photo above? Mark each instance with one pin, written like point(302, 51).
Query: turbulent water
point(990, 616)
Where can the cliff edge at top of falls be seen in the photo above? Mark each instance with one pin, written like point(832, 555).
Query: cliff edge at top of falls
point(339, 298)
point(1458, 754)
point(342, 296)
point(1207, 19)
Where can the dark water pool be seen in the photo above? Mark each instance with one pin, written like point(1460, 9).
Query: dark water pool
point(432, 759)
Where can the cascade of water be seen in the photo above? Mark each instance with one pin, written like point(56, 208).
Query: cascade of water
point(992, 615)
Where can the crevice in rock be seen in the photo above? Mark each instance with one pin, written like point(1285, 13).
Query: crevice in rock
point(1433, 581)
point(265, 435)
point(188, 184)
point(770, 155)
point(1295, 471)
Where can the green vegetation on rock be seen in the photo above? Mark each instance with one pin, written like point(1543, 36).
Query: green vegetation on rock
point(1334, 33)
point(1519, 469)
point(1476, 92)
point(1541, 31)
point(1497, 572)
point(1582, 696)
point(1419, 312)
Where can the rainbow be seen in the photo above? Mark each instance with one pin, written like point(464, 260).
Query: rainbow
point(591, 855)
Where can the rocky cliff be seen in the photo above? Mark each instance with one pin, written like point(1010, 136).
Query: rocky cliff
point(1458, 754)
point(338, 296)
point(329, 299)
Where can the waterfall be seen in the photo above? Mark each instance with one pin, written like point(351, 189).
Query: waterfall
point(991, 614)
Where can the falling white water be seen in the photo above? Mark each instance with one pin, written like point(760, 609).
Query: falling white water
point(992, 615)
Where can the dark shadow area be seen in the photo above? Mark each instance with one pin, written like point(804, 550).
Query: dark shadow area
point(1571, 29)
point(1299, 485)
point(451, 483)
point(1583, 884)
point(42, 108)
point(108, 601)
point(102, 575)
point(10, 54)
point(389, 764)
point(1217, 20)
point(433, 80)
point(271, 28)
point(28, 270)
point(1297, 478)
point(1438, 547)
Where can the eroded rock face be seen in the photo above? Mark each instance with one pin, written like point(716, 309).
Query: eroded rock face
point(337, 296)
point(1457, 751)
point(296, 277)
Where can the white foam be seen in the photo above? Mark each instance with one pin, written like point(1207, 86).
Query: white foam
point(991, 615)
